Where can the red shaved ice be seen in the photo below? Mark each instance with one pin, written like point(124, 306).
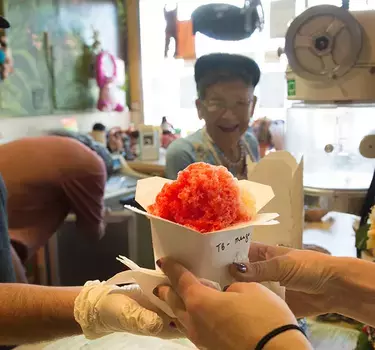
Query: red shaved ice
point(204, 197)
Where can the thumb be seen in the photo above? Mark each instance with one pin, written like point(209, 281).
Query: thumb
point(272, 270)
point(137, 319)
point(151, 318)
point(120, 313)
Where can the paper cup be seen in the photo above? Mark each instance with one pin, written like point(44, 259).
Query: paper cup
point(206, 255)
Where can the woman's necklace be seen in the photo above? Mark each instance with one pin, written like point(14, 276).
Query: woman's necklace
point(241, 163)
point(241, 158)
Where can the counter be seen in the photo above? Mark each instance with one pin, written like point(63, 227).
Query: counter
point(333, 199)
point(150, 167)
point(116, 341)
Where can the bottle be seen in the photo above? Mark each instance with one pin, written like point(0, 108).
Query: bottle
point(166, 127)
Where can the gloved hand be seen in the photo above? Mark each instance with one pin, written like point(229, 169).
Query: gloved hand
point(314, 282)
point(103, 309)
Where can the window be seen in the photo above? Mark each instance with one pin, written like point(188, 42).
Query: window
point(355, 5)
point(168, 84)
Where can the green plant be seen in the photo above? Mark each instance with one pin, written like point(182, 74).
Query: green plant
point(122, 14)
point(72, 64)
point(361, 237)
point(123, 19)
point(363, 342)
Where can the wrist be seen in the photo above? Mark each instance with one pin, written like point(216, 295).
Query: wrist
point(291, 339)
point(354, 283)
point(341, 277)
point(87, 307)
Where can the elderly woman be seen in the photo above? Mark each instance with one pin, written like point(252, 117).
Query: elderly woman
point(226, 101)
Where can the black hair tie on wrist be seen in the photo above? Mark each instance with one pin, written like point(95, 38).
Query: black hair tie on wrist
point(275, 333)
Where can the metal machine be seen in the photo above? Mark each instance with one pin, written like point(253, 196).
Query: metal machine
point(331, 79)
point(331, 55)
point(367, 146)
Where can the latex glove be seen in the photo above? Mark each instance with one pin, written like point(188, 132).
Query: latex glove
point(103, 309)
point(233, 320)
point(312, 279)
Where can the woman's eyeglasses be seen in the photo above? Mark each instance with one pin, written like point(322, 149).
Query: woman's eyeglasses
point(219, 107)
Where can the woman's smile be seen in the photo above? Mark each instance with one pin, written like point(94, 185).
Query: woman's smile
point(229, 128)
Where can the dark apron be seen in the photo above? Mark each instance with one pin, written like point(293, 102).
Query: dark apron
point(7, 274)
point(367, 205)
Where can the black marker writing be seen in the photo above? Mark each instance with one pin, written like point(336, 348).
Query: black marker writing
point(242, 238)
point(222, 246)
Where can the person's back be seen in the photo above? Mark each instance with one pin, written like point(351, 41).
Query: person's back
point(46, 178)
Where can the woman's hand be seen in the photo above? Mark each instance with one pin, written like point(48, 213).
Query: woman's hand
point(316, 283)
point(235, 319)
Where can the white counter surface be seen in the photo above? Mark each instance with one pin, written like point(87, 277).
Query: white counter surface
point(116, 341)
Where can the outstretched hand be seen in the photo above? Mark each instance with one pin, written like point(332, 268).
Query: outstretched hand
point(312, 279)
point(233, 320)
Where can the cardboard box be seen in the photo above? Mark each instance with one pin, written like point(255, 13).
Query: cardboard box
point(284, 174)
point(207, 255)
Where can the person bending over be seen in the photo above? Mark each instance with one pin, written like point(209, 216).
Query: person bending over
point(47, 178)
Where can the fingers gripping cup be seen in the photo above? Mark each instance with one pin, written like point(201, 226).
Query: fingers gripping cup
point(204, 220)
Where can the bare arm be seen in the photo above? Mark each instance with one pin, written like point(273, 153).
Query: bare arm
point(30, 314)
point(316, 283)
point(357, 289)
point(35, 313)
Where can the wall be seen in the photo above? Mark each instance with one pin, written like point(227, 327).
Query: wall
point(14, 128)
point(134, 60)
point(134, 52)
point(28, 104)
point(37, 89)
point(168, 84)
